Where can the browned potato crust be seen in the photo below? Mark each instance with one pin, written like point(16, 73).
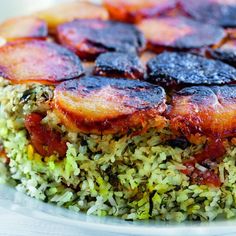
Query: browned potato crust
point(100, 105)
point(209, 111)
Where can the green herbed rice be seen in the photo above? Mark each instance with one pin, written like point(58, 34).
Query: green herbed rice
point(130, 177)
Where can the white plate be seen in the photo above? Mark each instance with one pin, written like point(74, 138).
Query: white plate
point(15, 201)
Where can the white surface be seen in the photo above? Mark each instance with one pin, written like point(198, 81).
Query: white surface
point(23, 216)
point(12, 224)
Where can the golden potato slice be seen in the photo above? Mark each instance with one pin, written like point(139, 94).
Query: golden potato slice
point(101, 105)
point(38, 61)
point(26, 27)
point(70, 11)
point(136, 10)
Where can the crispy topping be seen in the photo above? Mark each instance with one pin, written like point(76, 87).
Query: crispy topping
point(26, 27)
point(89, 38)
point(38, 61)
point(220, 12)
point(179, 33)
point(106, 105)
point(210, 111)
point(115, 64)
point(135, 10)
point(172, 69)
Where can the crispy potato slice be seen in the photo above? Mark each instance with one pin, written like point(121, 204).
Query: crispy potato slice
point(209, 111)
point(179, 33)
point(25, 27)
point(67, 12)
point(116, 64)
point(89, 38)
point(220, 12)
point(101, 105)
point(226, 52)
point(135, 10)
point(174, 70)
point(38, 61)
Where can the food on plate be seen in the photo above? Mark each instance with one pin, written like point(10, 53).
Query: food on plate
point(226, 52)
point(136, 10)
point(117, 64)
point(132, 133)
point(179, 33)
point(67, 12)
point(104, 172)
point(38, 61)
point(90, 38)
point(174, 69)
point(25, 27)
point(220, 12)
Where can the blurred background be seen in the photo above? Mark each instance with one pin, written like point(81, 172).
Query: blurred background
point(11, 8)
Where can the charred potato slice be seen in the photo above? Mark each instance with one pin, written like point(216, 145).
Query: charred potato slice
point(70, 11)
point(220, 12)
point(38, 61)
point(101, 105)
point(210, 111)
point(172, 69)
point(135, 10)
point(179, 33)
point(89, 38)
point(26, 27)
point(115, 64)
point(226, 52)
